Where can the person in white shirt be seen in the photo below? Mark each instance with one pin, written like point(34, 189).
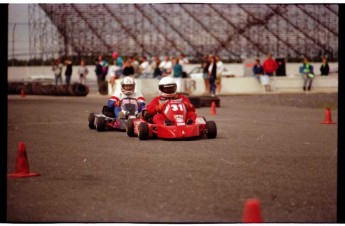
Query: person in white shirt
point(183, 60)
point(220, 69)
point(144, 67)
point(166, 67)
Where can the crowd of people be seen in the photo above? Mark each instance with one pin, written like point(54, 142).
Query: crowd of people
point(262, 72)
point(175, 67)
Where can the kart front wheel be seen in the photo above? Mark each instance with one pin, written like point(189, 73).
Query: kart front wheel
point(92, 121)
point(100, 124)
point(211, 129)
point(143, 131)
point(130, 128)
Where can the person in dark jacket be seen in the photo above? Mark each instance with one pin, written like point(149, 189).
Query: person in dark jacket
point(68, 71)
point(212, 75)
point(98, 71)
point(324, 67)
point(258, 70)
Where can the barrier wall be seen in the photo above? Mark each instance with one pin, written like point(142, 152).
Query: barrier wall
point(241, 85)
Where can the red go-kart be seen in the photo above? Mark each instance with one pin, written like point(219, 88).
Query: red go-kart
point(175, 111)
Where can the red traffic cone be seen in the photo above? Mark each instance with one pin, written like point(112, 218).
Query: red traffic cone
point(213, 108)
point(251, 212)
point(22, 164)
point(22, 93)
point(328, 117)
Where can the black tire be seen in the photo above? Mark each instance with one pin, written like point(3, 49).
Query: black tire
point(92, 121)
point(143, 131)
point(100, 124)
point(130, 128)
point(211, 129)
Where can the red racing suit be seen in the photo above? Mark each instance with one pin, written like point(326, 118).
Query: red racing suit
point(156, 106)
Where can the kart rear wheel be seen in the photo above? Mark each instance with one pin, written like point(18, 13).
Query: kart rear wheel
point(130, 128)
point(143, 131)
point(92, 121)
point(100, 124)
point(211, 129)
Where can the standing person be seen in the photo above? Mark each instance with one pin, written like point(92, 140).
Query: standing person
point(128, 68)
point(258, 70)
point(157, 73)
point(57, 68)
point(166, 67)
point(270, 65)
point(205, 65)
point(177, 68)
point(135, 64)
point(98, 71)
point(105, 67)
point(220, 69)
point(82, 71)
point(307, 73)
point(183, 60)
point(118, 61)
point(212, 75)
point(144, 68)
point(324, 69)
point(68, 71)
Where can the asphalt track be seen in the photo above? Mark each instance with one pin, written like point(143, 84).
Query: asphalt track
point(275, 152)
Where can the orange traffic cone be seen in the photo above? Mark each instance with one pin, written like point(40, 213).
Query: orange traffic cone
point(22, 164)
point(328, 117)
point(213, 108)
point(22, 93)
point(251, 212)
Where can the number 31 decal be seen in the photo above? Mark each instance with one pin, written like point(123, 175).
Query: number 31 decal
point(176, 107)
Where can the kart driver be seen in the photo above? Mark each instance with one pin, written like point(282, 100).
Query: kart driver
point(127, 90)
point(168, 87)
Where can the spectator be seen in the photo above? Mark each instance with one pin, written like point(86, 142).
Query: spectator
point(98, 71)
point(68, 71)
point(105, 67)
point(258, 70)
point(135, 64)
point(118, 61)
point(177, 68)
point(144, 68)
point(183, 60)
point(307, 73)
point(269, 65)
point(128, 68)
point(114, 74)
point(57, 68)
point(205, 65)
point(166, 67)
point(324, 67)
point(82, 71)
point(212, 75)
point(220, 69)
point(157, 73)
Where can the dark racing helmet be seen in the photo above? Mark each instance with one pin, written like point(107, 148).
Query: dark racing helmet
point(127, 85)
point(168, 87)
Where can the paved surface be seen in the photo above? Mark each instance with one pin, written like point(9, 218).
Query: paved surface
point(270, 147)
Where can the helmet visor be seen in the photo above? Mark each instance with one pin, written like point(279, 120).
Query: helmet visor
point(128, 87)
point(168, 89)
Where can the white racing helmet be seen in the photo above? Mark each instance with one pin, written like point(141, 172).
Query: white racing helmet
point(168, 87)
point(127, 85)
